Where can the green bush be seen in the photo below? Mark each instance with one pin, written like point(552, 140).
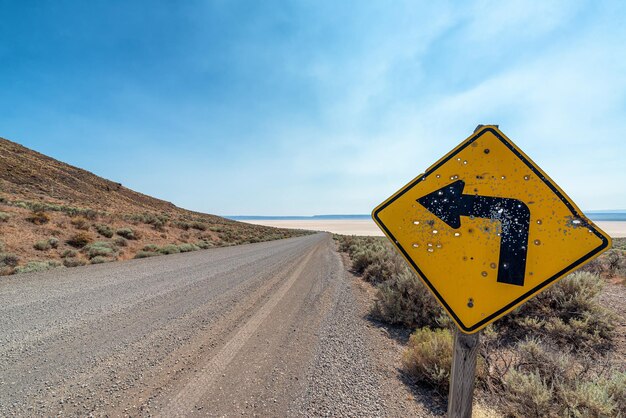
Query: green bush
point(54, 242)
point(127, 233)
point(151, 248)
point(35, 266)
point(104, 230)
point(428, 357)
point(4, 216)
point(80, 239)
point(169, 249)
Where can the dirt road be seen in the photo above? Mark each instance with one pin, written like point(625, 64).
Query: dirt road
point(268, 329)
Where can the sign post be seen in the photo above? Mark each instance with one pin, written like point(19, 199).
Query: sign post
point(485, 229)
point(462, 375)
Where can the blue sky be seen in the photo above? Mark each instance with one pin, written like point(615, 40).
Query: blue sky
point(301, 108)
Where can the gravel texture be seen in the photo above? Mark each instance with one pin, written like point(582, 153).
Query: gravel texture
point(268, 329)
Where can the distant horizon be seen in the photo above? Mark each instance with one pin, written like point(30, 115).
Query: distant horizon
point(594, 215)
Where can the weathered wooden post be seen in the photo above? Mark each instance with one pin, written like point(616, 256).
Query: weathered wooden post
point(463, 374)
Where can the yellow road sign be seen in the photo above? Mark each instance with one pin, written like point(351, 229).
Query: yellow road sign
point(486, 229)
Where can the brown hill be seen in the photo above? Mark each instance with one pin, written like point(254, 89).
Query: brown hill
point(52, 213)
point(31, 175)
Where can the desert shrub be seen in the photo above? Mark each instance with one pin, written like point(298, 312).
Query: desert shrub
point(128, 233)
point(69, 253)
point(100, 249)
point(527, 392)
point(185, 248)
point(372, 253)
point(568, 313)
point(8, 260)
point(548, 382)
point(43, 245)
point(157, 221)
point(405, 300)
point(428, 357)
point(80, 239)
point(169, 249)
point(182, 225)
point(383, 269)
point(51, 207)
point(616, 263)
point(120, 242)
point(200, 226)
point(80, 223)
point(151, 248)
point(4, 217)
point(615, 386)
point(104, 230)
point(34, 266)
point(363, 259)
point(6, 270)
point(401, 297)
point(73, 262)
point(204, 245)
point(99, 260)
point(38, 218)
point(146, 254)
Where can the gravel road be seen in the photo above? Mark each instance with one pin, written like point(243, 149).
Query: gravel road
point(269, 329)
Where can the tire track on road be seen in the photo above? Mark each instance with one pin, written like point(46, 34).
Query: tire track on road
point(192, 392)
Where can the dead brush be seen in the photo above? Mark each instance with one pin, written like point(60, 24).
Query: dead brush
point(38, 218)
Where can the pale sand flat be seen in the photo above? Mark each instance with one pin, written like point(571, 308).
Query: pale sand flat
point(367, 227)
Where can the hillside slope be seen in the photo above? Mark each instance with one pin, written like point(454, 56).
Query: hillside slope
point(54, 214)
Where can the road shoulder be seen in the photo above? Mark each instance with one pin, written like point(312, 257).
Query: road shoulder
point(386, 344)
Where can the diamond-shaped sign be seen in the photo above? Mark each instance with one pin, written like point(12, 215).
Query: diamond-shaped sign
point(486, 229)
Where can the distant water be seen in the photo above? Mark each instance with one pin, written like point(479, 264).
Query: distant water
point(593, 215)
point(299, 218)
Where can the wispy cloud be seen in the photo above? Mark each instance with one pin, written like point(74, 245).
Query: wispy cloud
point(318, 107)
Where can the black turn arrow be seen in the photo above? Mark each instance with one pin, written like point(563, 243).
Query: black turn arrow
point(449, 204)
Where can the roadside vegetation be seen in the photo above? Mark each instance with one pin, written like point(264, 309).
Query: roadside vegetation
point(38, 236)
point(560, 354)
